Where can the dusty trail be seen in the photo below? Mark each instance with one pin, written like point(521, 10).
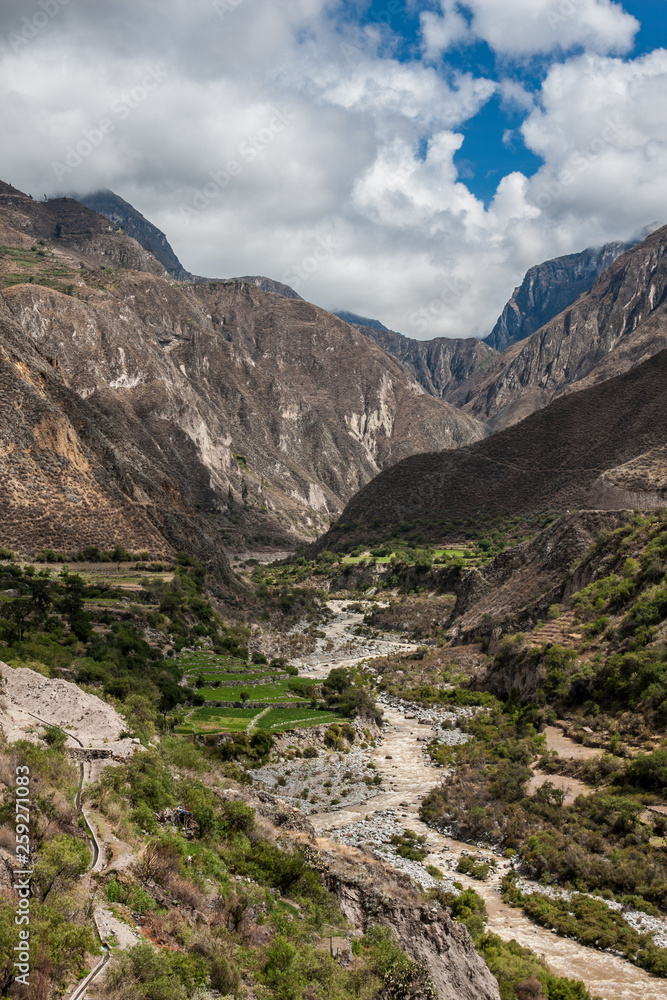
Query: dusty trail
point(568, 750)
point(407, 777)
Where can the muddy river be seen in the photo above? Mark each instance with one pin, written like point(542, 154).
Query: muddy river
point(408, 775)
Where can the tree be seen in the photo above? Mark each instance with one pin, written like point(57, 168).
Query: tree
point(18, 615)
point(61, 860)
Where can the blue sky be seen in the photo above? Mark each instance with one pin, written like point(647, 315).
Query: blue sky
point(488, 154)
point(407, 160)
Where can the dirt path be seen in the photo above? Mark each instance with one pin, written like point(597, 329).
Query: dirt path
point(568, 750)
point(407, 777)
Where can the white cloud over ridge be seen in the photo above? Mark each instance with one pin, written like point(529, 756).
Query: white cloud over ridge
point(255, 133)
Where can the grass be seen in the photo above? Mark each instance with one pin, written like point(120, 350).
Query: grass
point(217, 720)
point(249, 676)
point(279, 719)
point(260, 692)
point(380, 560)
point(238, 720)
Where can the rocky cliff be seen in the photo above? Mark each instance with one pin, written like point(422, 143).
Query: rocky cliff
point(425, 931)
point(452, 368)
point(71, 477)
point(124, 215)
point(445, 367)
point(549, 288)
point(517, 587)
point(619, 323)
point(247, 400)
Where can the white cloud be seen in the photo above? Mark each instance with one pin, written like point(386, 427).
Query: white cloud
point(528, 27)
point(442, 32)
point(277, 136)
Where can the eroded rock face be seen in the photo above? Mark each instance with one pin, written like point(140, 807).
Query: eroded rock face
point(549, 288)
point(244, 399)
point(640, 483)
point(443, 366)
point(619, 323)
point(70, 476)
point(239, 389)
point(518, 585)
point(424, 930)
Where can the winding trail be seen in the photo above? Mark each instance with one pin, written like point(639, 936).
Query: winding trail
point(407, 777)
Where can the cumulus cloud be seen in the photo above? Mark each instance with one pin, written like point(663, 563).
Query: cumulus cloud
point(528, 27)
point(278, 139)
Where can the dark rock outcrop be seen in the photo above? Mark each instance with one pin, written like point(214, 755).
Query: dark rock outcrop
point(549, 288)
point(122, 214)
point(425, 931)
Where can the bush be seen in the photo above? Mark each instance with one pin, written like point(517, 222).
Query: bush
point(648, 771)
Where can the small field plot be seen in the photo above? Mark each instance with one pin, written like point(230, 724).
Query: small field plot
point(213, 666)
point(217, 720)
point(279, 719)
point(259, 692)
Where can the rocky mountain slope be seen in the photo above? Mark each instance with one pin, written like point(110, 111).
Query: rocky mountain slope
point(229, 398)
point(124, 215)
point(620, 322)
point(582, 450)
point(549, 288)
point(451, 369)
point(516, 588)
point(72, 477)
point(445, 367)
point(359, 321)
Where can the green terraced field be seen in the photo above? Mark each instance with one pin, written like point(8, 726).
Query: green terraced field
point(260, 692)
point(237, 720)
point(217, 720)
point(212, 719)
point(279, 719)
point(211, 664)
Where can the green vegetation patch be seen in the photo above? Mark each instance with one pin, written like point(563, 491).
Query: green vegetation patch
point(279, 719)
point(209, 720)
point(591, 922)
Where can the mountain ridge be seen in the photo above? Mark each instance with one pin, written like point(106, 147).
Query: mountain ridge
point(263, 413)
point(620, 322)
point(554, 460)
